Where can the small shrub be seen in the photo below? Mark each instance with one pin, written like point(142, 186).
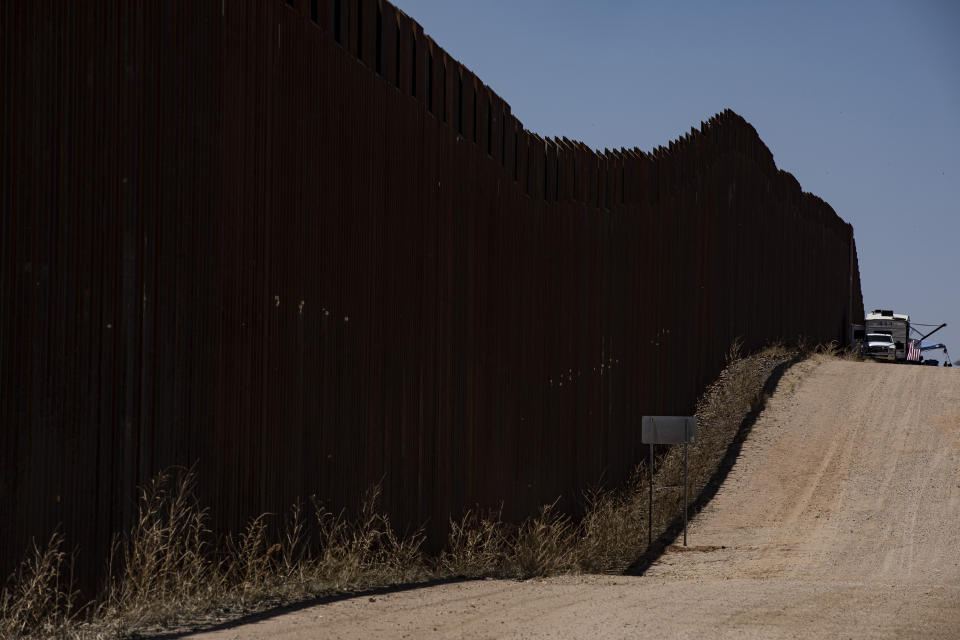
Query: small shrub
point(37, 600)
point(165, 571)
point(367, 551)
point(475, 546)
point(611, 532)
point(544, 545)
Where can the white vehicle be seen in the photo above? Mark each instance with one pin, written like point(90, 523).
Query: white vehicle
point(880, 346)
point(894, 325)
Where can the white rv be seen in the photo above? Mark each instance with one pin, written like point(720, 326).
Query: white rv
point(896, 325)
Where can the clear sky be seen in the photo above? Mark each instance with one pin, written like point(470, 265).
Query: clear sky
point(860, 101)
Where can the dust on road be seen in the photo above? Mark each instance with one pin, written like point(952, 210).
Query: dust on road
point(841, 518)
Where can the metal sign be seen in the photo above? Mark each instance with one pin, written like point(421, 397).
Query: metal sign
point(668, 430)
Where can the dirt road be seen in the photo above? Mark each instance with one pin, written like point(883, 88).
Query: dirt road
point(841, 519)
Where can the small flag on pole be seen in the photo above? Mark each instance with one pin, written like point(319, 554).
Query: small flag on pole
point(913, 352)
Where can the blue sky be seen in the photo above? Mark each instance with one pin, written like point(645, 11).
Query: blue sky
point(859, 100)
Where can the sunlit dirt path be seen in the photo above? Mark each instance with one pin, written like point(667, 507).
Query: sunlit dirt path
point(840, 519)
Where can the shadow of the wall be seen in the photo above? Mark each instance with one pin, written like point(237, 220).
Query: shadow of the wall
point(273, 612)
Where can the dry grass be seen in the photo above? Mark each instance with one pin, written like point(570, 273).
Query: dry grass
point(171, 571)
point(613, 529)
point(833, 351)
point(364, 552)
point(543, 545)
point(476, 547)
point(165, 572)
point(38, 600)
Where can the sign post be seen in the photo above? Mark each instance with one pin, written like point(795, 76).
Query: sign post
point(668, 430)
point(685, 447)
point(650, 514)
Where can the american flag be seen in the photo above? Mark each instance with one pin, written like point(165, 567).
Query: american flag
point(913, 352)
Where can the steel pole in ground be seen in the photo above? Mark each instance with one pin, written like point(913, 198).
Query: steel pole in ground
point(686, 440)
point(650, 516)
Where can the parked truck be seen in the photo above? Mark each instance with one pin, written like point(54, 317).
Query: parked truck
point(895, 325)
point(879, 346)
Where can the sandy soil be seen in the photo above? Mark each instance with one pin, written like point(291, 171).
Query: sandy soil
point(841, 519)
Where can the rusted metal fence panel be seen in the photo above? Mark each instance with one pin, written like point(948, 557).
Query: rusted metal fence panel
point(244, 236)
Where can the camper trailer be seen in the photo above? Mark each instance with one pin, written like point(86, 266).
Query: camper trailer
point(896, 325)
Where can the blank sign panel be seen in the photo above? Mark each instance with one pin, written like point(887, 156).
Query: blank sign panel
point(669, 429)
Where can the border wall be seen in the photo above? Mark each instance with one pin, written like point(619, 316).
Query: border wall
point(299, 245)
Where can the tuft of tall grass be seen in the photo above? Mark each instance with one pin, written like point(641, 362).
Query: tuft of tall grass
point(163, 569)
point(39, 600)
point(735, 352)
point(476, 546)
point(611, 532)
point(366, 551)
point(544, 545)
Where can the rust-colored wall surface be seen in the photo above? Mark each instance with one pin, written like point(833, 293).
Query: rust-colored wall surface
point(301, 246)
